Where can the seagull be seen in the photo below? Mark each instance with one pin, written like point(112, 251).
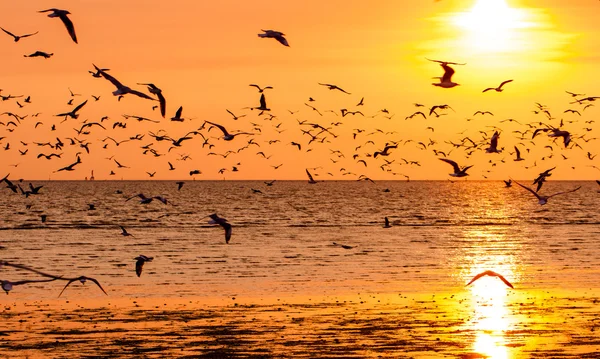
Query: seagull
point(263, 104)
point(161, 99)
point(334, 87)
point(121, 89)
point(179, 185)
point(17, 37)
point(214, 219)
point(311, 180)
point(260, 90)
point(518, 153)
point(345, 246)
point(62, 14)
point(491, 274)
point(499, 88)
point(40, 54)
point(177, 116)
point(387, 223)
point(141, 259)
point(564, 134)
point(226, 135)
point(146, 200)
point(457, 171)
point(493, 144)
point(73, 114)
point(124, 232)
point(508, 183)
point(279, 36)
point(446, 80)
point(235, 118)
point(82, 279)
point(542, 200)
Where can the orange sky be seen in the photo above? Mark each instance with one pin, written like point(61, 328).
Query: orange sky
point(204, 54)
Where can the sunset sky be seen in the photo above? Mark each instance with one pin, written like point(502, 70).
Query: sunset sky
point(204, 54)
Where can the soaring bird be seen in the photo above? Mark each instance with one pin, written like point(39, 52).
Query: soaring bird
point(446, 79)
point(43, 54)
point(387, 223)
point(518, 154)
point(493, 144)
point(311, 180)
point(214, 219)
point(458, 172)
point(124, 232)
point(279, 36)
point(491, 274)
point(177, 116)
point(161, 99)
point(542, 200)
point(226, 135)
point(334, 87)
point(499, 88)
point(82, 279)
point(18, 37)
point(73, 114)
point(121, 89)
point(260, 90)
point(62, 14)
point(140, 260)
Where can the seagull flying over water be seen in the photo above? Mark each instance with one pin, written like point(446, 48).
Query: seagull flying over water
point(491, 274)
point(140, 260)
point(458, 172)
point(62, 14)
point(214, 219)
point(279, 36)
point(542, 200)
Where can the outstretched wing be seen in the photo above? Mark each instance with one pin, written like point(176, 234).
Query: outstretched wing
point(529, 189)
point(70, 27)
point(8, 32)
point(565, 192)
point(310, 177)
point(504, 83)
point(448, 72)
point(79, 106)
point(454, 164)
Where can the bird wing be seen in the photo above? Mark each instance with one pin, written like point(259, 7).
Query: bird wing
point(529, 189)
point(598, 182)
point(310, 177)
point(564, 192)
point(27, 35)
point(163, 104)
point(518, 152)
point(68, 284)
point(477, 277)
point(488, 89)
point(79, 106)
point(179, 111)
point(227, 228)
point(70, 27)
point(504, 83)
point(220, 127)
point(454, 164)
point(110, 78)
point(502, 277)
point(282, 40)
point(98, 284)
point(138, 267)
point(8, 32)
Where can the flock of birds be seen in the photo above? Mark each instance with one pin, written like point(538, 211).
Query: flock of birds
point(372, 147)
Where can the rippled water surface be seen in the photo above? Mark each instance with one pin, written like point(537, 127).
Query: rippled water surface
point(282, 241)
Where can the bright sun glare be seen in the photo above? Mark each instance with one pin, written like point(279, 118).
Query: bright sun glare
point(492, 26)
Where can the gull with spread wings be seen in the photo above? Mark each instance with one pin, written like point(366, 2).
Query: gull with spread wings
point(18, 37)
point(499, 88)
point(121, 89)
point(458, 172)
point(446, 79)
point(542, 200)
point(62, 15)
point(226, 135)
point(491, 274)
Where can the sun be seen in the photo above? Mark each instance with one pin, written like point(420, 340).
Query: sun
point(491, 26)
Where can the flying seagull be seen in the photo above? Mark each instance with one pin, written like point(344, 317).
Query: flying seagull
point(214, 219)
point(140, 260)
point(226, 135)
point(446, 80)
point(73, 114)
point(82, 279)
point(279, 36)
point(18, 37)
point(334, 87)
point(544, 199)
point(499, 88)
point(491, 274)
point(121, 89)
point(311, 180)
point(260, 90)
point(458, 172)
point(62, 14)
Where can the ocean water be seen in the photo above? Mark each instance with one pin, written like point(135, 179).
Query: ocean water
point(282, 244)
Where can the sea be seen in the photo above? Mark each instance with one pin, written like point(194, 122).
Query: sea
point(297, 239)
